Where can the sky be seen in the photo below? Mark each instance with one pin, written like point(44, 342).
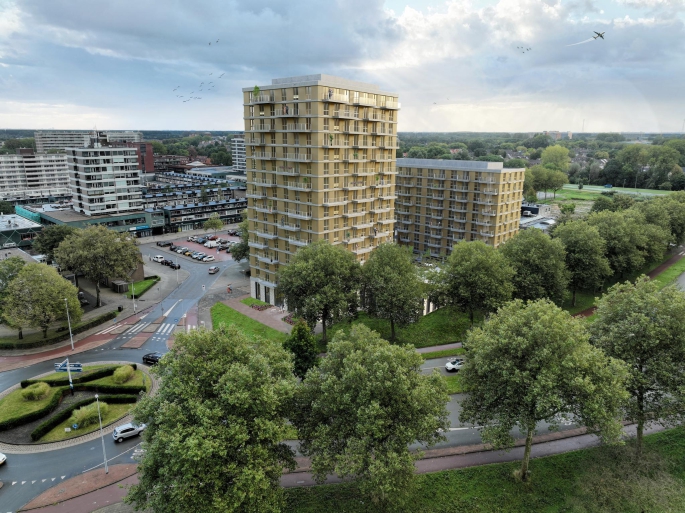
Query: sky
point(455, 64)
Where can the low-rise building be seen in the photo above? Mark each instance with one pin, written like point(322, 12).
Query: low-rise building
point(163, 163)
point(442, 202)
point(17, 231)
point(191, 216)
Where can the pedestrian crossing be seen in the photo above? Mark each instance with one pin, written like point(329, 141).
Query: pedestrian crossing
point(136, 328)
point(165, 329)
point(107, 330)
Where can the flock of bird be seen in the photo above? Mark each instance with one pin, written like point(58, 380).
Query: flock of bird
point(524, 49)
point(209, 86)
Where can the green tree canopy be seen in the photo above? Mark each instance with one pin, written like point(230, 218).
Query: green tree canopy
point(391, 288)
point(321, 283)
point(242, 250)
point(539, 264)
point(302, 344)
point(358, 413)
point(531, 363)
point(35, 298)
point(9, 269)
point(6, 207)
point(643, 326)
point(475, 277)
point(585, 256)
point(215, 427)
point(624, 238)
point(99, 254)
point(50, 238)
point(214, 223)
point(555, 156)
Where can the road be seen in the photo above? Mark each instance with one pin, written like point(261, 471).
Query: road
point(35, 473)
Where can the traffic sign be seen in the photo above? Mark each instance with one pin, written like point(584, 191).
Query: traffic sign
point(73, 367)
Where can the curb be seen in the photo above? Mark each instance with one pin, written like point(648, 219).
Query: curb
point(70, 442)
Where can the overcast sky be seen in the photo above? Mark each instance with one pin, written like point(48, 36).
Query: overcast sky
point(455, 64)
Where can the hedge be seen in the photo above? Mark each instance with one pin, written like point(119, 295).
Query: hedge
point(101, 373)
point(62, 336)
point(122, 374)
point(47, 426)
point(30, 417)
point(111, 389)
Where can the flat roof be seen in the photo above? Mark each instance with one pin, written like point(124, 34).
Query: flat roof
point(463, 165)
point(16, 222)
point(208, 204)
point(67, 214)
point(322, 80)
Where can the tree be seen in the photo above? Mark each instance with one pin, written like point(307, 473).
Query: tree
point(9, 269)
point(35, 297)
point(302, 344)
point(6, 207)
point(515, 163)
point(539, 264)
point(358, 413)
point(643, 326)
point(215, 427)
point(555, 156)
point(321, 283)
point(158, 148)
point(542, 177)
point(476, 277)
point(214, 222)
point(585, 256)
point(391, 288)
point(533, 363)
point(623, 237)
point(99, 254)
point(557, 180)
point(242, 250)
point(50, 238)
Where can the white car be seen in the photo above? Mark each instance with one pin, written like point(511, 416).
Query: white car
point(127, 431)
point(454, 365)
point(3, 458)
point(208, 258)
point(157, 258)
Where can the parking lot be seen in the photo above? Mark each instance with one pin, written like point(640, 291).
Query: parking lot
point(219, 256)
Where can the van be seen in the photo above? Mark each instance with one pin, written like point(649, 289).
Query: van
point(211, 244)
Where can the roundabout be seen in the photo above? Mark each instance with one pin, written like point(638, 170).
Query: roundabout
point(53, 431)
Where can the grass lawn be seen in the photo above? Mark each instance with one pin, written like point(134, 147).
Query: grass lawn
point(249, 301)
point(116, 411)
point(136, 380)
point(442, 326)
point(14, 405)
point(141, 287)
point(669, 275)
point(591, 480)
point(224, 314)
point(442, 354)
point(453, 384)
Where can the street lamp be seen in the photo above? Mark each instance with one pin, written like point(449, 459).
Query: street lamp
point(177, 270)
point(133, 296)
point(69, 322)
point(102, 436)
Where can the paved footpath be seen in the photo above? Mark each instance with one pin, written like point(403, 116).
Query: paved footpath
point(271, 317)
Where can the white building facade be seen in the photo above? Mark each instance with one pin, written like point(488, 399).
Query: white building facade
point(59, 140)
point(238, 153)
point(28, 175)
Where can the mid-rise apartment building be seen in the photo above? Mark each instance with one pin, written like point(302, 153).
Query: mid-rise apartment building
point(320, 156)
point(442, 202)
point(104, 180)
point(30, 177)
point(238, 154)
point(59, 140)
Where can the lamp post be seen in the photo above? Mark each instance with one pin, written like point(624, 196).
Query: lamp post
point(176, 270)
point(71, 337)
point(133, 297)
point(102, 436)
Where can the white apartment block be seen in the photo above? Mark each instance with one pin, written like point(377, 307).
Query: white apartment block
point(238, 153)
point(104, 180)
point(29, 175)
point(59, 140)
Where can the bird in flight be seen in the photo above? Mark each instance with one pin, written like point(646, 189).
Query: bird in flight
point(211, 74)
point(599, 35)
point(217, 40)
point(222, 75)
point(210, 43)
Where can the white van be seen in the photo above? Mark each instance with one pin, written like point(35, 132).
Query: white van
point(211, 243)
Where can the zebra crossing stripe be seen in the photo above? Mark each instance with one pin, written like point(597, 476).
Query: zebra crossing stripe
point(107, 330)
point(137, 328)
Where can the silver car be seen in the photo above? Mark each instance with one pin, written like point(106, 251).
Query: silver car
point(127, 431)
point(454, 365)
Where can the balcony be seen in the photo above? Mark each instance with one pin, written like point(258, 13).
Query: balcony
point(298, 186)
point(401, 229)
point(266, 235)
point(256, 245)
point(490, 191)
point(484, 180)
point(383, 233)
point(297, 214)
point(386, 195)
point(287, 170)
point(434, 244)
point(362, 100)
point(264, 210)
point(263, 181)
point(486, 234)
point(361, 251)
point(355, 186)
point(405, 239)
point(267, 283)
point(287, 112)
point(299, 157)
point(390, 220)
point(381, 183)
point(363, 199)
point(344, 114)
point(354, 240)
point(266, 127)
point(380, 210)
point(262, 98)
point(354, 213)
point(347, 157)
point(267, 260)
point(289, 227)
point(388, 104)
point(298, 127)
point(334, 202)
point(256, 195)
point(330, 96)
point(363, 171)
point(299, 242)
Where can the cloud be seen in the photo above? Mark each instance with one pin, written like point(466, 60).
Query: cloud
point(119, 61)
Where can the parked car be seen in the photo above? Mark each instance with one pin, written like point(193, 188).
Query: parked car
point(192, 238)
point(201, 240)
point(181, 250)
point(208, 258)
point(222, 241)
point(211, 244)
point(212, 237)
point(164, 244)
point(158, 258)
point(454, 365)
point(167, 262)
point(127, 431)
point(199, 255)
point(3, 458)
point(188, 252)
point(234, 233)
point(213, 270)
point(152, 358)
point(174, 265)
point(173, 247)
point(83, 301)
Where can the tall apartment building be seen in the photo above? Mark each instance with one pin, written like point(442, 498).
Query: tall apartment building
point(238, 154)
point(30, 177)
point(320, 165)
point(104, 180)
point(59, 140)
point(442, 202)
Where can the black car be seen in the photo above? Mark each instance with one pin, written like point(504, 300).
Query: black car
point(174, 265)
point(152, 358)
point(166, 261)
point(173, 247)
point(164, 244)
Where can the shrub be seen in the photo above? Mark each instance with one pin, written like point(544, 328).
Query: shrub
point(47, 426)
point(122, 374)
point(87, 415)
point(111, 389)
point(35, 392)
point(30, 417)
point(75, 378)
